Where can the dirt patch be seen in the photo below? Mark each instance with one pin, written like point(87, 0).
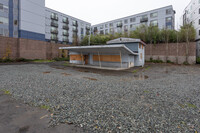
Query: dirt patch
point(66, 74)
point(17, 117)
point(46, 72)
point(90, 78)
point(84, 71)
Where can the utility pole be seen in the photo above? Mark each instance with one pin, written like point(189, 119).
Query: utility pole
point(89, 36)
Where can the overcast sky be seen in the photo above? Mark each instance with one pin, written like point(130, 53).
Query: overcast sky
point(98, 11)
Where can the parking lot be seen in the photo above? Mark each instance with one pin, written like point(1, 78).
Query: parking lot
point(156, 98)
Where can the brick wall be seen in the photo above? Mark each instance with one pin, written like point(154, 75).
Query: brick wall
point(29, 49)
point(174, 52)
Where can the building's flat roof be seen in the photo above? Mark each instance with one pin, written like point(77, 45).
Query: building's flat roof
point(125, 40)
point(113, 49)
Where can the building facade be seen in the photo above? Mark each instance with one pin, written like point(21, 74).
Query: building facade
point(191, 15)
point(162, 17)
point(30, 19)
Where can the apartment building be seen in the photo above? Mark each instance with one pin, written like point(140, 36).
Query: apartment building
point(30, 19)
point(162, 17)
point(64, 28)
point(9, 18)
point(191, 14)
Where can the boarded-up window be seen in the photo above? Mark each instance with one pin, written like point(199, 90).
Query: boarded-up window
point(141, 56)
point(107, 58)
point(139, 45)
point(76, 57)
point(142, 46)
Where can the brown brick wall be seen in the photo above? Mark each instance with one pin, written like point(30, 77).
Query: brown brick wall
point(174, 52)
point(30, 49)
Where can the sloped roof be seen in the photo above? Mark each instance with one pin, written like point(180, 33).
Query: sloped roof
point(101, 48)
point(125, 40)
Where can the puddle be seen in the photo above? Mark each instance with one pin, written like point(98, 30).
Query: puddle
point(84, 71)
point(46, 72)
point(90, 78)
point(66, 74)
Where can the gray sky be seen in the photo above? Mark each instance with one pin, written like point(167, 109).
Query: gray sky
point(98, 11)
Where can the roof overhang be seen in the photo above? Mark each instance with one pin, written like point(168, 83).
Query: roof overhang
point(109, 49)
point(123, 40)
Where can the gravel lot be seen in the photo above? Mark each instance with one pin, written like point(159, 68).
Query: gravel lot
point(158, 98)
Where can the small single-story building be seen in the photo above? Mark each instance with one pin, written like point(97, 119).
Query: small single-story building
point(119, 53)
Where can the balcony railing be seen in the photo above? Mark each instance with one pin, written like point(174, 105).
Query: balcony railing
point(87, 28)
point(54, 24)
point(75, 24)
point(65, 34)
point(66, 27)
point(54, 38)
point(65, 40)
point(119, 25)
point(142, 20)
point(66, 21)
point(75, 30)
point(87, 33)
point(54, 31)
point(54, 17)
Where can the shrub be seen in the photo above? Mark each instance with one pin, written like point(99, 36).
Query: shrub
point(22, 60)
point(168, 61)
point(198, 60)
point(61, 59)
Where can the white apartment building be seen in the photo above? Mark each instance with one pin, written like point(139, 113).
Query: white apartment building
point(162, 17)
point(191, 14)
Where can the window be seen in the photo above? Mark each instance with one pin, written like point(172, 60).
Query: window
point(126, 21)
point(111, 24)
point(1, 6)
point(154, 23)
point(82, 31)
point(133, 27)
point(141, 56)
point(168, 19)
point(101, 32)
point(106, 31)
point(154, 15)
point(132, 20)
point(168, 11)
point(15, 22)
point(106, 25)
point(199, 21)
point(126, 28)
point(101, 27)
point(3, 20)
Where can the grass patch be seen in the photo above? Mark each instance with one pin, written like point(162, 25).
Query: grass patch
point(147, 68)
point(6, 92)
point(43, 61)
point(181, 105)
point(146, 91)
point(191, 105)
point(45, 107)
point(61, 59)
point(135, 71)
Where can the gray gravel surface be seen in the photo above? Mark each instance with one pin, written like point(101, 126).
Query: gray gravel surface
point(158, 98)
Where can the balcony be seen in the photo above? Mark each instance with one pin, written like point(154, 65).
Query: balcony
point(87, 33)
point(142, 20)
point(54, 17)
point(87, 28)
point(65, 40)
point(66, 27)
point(54, 31)
point(119, 25)
point(66, 21)
point(75, 23)
point(54, 24)
point(75, 30)
point(55, 38)
point(65, 34)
